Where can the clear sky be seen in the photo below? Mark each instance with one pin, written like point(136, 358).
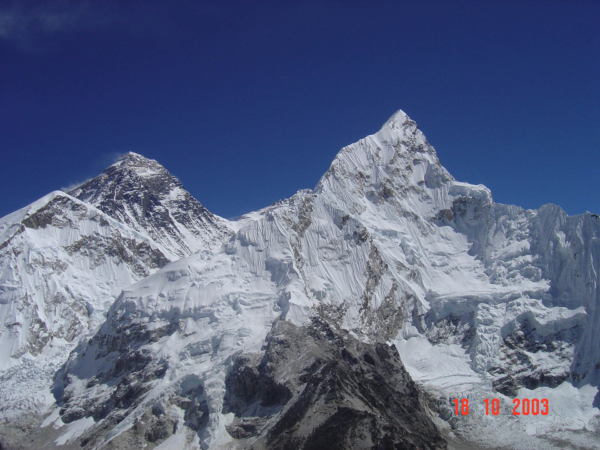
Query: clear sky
point(248, 101)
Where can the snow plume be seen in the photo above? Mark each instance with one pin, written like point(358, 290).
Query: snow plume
point(98, 164)
point(73, 185)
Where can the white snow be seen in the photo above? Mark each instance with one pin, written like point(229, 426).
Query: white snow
point(53, 291)
point(74, 430)
point(389, 246)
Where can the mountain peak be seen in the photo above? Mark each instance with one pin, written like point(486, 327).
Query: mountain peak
point(141, 193)
point(139, 163)
point(389, 261)
point(131, 172)
point(132, 157)
point(395, 158)
point(401, 128)
point(399, 117)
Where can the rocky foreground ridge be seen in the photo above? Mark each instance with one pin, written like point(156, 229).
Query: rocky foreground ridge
point(348, 316)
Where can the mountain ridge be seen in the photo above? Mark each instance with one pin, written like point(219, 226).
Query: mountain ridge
point(480, 299)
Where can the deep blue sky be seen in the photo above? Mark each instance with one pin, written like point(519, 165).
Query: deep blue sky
point(248, 101)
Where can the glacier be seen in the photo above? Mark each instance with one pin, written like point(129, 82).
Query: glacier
point(481, 300)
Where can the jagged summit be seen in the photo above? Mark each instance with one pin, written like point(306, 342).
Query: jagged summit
point(400, 127)
point(143, 194)
point(132, 156)
point(132, 170)
point(395, 163)
point(398, 122)
point(134, 160)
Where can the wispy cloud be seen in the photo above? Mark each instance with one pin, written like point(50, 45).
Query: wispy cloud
point(23, 23)
point(94, 167)
point(28, 24)
point(108, 159)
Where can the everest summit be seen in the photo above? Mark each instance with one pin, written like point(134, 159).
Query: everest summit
point(142, 194)
point(349, 316)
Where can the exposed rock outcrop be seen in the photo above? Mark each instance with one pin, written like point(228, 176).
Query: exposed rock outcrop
point(318, 388)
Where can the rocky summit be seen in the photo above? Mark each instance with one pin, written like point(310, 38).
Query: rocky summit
point(142, 194)
point(390, 307)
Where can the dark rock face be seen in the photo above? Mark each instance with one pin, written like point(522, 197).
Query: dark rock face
point(53, 214)
point(142, 194)
point(118, 370)
point(128, 373)
point(319, 388)
point(139, 255)
point(517, 349)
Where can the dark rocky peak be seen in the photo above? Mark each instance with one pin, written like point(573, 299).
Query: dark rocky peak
point(149, 172)
point(130, 174)
point(141, 193)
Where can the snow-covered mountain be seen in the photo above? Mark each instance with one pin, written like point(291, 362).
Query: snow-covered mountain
point(142, 194)
point(63, 262)
point(288, 330)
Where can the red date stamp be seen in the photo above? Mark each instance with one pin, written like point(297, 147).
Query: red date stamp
point(525, 406)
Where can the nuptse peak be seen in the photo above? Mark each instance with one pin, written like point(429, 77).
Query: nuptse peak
point(289, 327)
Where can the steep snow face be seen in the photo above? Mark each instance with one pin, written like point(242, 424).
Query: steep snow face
point(389, 247)
point(141, 193)
point(62, 263)
point(544, 246)
point(496, 278)
point(168, 339)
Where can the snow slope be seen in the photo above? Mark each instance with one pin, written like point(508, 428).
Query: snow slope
point(63, 262)
point(482, 300)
